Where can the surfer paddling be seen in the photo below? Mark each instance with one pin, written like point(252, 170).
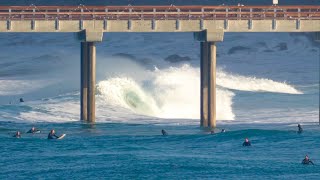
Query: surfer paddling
point(246, 142)
point(307, 161)
point(17, 135)
point(164, 133)
point(52, 135)
point(300, 130)
point(33, 130)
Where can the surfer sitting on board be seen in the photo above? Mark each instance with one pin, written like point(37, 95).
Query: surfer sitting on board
point(299, 129)
point(52, 135)
point(33, 130)
point(246, 142)
point(164, 133)
point(17, 135)
point(307, 161)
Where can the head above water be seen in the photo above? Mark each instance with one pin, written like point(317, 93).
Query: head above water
point(246, 140)
point(307, 157)
point(52, 131)
point(18, 133)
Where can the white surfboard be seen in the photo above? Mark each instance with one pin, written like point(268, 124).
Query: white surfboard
point(62, 136)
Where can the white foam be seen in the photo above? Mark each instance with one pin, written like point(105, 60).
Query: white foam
point(171, 93)
point(238, 82)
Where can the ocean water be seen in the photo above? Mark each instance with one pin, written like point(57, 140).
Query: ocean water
point(267, 84)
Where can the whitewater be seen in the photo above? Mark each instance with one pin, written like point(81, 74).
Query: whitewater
point(136, 84)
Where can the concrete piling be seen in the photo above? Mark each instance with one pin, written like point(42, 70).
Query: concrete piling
point(91, 82)
point(84, 82)
point(204, 74)
point(208, 85)
point(88, 81)
point(88, 73)
point(212, 86)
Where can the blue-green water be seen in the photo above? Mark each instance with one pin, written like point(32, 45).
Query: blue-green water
point(138, 151)
point(267, 83)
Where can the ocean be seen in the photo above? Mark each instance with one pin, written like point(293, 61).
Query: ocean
point(267, 83)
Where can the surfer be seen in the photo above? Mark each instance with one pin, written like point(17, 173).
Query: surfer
point(246, 142)
point(223, 130)
point(307, 161)
point(17, 135)
point(299, 129)
point(164, 133)
point(33, 130)
point(21, 100)
point(52, 135)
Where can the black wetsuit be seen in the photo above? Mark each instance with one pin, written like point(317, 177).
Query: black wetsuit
point(30, 131)
point(300, 129)
point(164, 133)
point(52, 136)
point(17, 136)
point(246, 143)
point(307, 162)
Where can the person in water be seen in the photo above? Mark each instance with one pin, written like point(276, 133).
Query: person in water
point(246, 142)
point(21, 100)
point(307, 161)
point(33, 130)
point(223, 131)
point(17, 135)
point(52, 135)
point(164, 133)
point(299, 129)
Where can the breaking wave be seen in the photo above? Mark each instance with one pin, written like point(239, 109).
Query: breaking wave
point(175, 92)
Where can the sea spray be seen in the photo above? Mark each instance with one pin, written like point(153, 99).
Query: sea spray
point(171, 93)
point(174, 92)
point(242, 83)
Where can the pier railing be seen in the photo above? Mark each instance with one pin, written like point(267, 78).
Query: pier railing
point(159, 12)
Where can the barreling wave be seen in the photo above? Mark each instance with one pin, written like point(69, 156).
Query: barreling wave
point(174, 92)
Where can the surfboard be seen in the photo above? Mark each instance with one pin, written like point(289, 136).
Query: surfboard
point(62, 136)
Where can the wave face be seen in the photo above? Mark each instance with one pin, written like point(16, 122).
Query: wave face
point(175, 92)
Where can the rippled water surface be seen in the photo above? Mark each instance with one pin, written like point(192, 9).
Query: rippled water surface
point(138, 151)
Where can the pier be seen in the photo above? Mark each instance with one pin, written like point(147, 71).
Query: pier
point(208, 24)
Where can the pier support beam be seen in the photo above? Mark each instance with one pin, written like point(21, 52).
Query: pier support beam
point(204, 74)
point(84, 82)
point(91, 104)
point(88, 74)
point(208, 84)
point(208, 76)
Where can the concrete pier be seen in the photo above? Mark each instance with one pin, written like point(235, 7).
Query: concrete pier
point(208, 61)
point(84, 82)
point(91, 106)
point(204, 74)
point(88, 74)
point(88, 81)
point(208, 85)
point(212, 85)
